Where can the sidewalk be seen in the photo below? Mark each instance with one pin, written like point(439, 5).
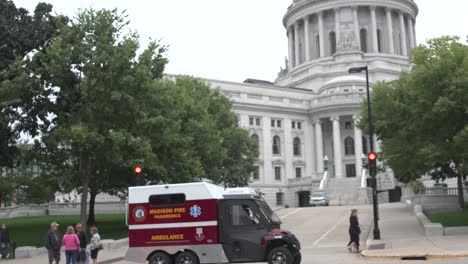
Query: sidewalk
point(403, 237)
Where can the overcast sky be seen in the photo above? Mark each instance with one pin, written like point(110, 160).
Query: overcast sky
point(237, 39)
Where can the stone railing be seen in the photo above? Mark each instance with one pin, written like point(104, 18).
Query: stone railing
point(443, 190)
point(60, 209)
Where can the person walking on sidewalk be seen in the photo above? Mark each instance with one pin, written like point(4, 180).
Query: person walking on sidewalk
point(354, 231)
point(72, 243)
point(52, 243)
point(95, 244)
point(83, 241)
point(4, 241)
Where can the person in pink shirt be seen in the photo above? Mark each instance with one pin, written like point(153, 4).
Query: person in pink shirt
point(71, 242)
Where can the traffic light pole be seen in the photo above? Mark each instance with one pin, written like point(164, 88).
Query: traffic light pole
point(371, 139)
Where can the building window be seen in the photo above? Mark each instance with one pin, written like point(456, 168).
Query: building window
point(279, 198)
point(379, 40)
point(363, 36)
point(348, 125)
point(350, 170)
point(317, 46)
point(297, 146)
point(296, 125)
point(364, 145)
point(278, 173)
point(276, 123)
point(237, 120)
point(254, 121)
point(349, 146)
point(256, 173)
point(255, 138)
point(332, 37)
point(298, 172)
point(276, 145)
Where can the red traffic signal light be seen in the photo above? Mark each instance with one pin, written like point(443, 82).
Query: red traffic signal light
point(372, 156)
point(137, 169)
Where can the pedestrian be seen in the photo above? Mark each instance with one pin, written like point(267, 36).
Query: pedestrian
point(83, 241)
point(354, 232)
point(72, 243)
point(95, 244)
point(53, 244)
point(4, 241)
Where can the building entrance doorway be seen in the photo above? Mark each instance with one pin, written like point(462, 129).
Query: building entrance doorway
point(303, 197)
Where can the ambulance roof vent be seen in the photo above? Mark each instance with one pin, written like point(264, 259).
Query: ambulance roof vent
point(241, 193)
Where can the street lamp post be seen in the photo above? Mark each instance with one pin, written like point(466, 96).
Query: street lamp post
point(371, 144)
point(325, 163)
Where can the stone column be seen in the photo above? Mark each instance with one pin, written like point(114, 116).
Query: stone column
point(337, 25)
point(357, 146)
point(296, 45)
point(319, 145)
point(375, 43)
point(321, 35)
point(390, 31)
point(291, 47)
point(337, 147)
point(356, 27)
point(268, 173)
point(404, 47)
point(306, 39)
point(411, 33)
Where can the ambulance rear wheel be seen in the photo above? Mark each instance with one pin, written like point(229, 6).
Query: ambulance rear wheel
point(186, 257)
point(160, 258)
point(280, 255)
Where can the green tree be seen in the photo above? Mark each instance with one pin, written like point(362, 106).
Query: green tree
point(110, 109)
point(421, 118)
point(21, 33)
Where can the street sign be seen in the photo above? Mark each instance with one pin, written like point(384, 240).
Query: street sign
point(385, 181)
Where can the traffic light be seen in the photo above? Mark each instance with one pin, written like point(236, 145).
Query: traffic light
point(139, 177)
point(372, 163)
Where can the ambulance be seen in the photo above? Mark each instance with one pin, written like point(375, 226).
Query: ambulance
point(196, 223)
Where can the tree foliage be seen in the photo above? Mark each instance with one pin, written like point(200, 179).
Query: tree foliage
point(21, 34)
point(422, 118)
point(105, 109)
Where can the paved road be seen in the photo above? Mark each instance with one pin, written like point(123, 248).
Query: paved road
point(323, 232)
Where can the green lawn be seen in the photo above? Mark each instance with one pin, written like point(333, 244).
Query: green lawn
point(450, 218)
point(30, 231)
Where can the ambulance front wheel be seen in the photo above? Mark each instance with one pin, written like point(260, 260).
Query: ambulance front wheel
point(160, 258)
point(186, 257)
point(280, 255)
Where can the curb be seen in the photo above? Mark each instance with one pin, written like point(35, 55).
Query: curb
point(399, 256)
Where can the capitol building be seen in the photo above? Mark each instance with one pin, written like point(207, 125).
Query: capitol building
point(305, 120)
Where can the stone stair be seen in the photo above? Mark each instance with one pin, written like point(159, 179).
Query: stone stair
point(346, 191)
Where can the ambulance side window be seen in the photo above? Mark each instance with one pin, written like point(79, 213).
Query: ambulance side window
point(243, 215)
point(167, 199)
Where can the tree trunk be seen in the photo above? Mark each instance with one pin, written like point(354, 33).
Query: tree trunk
point(461, 199)
point(84, 199)
point(92, 200)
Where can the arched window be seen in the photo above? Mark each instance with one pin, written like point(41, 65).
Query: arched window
point(349, 146)
point(255, 138)
point(363, 37)
point(297, 146)
point(332, 37)
point(317, 46)
point(379, 40)
point(364, 145)
point(276, 145)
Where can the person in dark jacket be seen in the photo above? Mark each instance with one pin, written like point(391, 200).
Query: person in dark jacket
point(83, 241)
point(4, 241)
point(354, 230)
point(53, 243)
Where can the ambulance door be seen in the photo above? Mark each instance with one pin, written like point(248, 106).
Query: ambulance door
point(242, 228)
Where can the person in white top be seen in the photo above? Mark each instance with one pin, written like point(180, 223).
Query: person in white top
point(95, 244)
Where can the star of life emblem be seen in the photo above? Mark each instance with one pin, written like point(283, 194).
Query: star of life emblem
point(195, 211)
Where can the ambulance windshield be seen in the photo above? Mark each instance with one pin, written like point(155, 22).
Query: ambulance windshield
point(269, 214)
